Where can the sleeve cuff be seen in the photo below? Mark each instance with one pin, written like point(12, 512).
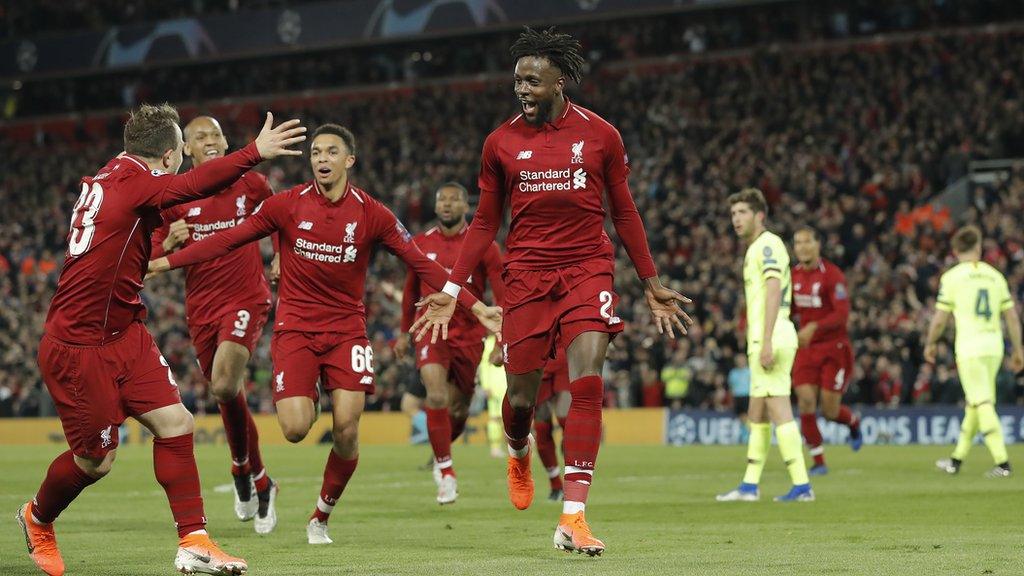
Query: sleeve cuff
point(452, 289)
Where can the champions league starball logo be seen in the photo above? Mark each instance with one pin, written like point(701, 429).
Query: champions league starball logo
point(390, 20)
point(681, 429)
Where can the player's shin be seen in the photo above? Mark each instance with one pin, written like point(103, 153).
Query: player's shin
point(174, 464)
point(792, 452)
point(518, 421)
point(547, 453)
point(63, 483)
point(439, 430)
point(337, 473)
point(968, 429)
point(259, 471)
point(234, 413)
point(811, 433)
point(992, 432)
point(757, 451)
point(582, 439)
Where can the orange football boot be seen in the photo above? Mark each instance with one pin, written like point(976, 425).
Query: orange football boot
point(573, 534)
point(520, 481)
point(41, 541)
point(198, 554)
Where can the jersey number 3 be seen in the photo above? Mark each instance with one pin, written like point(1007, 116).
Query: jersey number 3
point(82, 231)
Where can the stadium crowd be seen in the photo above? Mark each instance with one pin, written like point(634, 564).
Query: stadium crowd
point(853, 140)
point(604, 41)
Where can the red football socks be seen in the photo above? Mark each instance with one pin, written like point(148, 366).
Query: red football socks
point(259, 472)
point(546, 451)
point(336, 476)
point(234, 413)
point(846, 416)
point(63, 483)
point(812, 435)
point(439, 429)
point(175, 466)
point(518, 422)
point(582, 436)
point(458, 425)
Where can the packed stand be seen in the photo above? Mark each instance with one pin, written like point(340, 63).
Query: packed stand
point(850, 140)
point(690, 32)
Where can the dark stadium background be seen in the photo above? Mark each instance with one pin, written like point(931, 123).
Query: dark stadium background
point(884, 124)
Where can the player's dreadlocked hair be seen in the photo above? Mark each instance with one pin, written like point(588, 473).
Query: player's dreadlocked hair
point(562, 50)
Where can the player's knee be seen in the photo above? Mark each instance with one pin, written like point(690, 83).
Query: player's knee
point(521, 400)
point(831, 412)
point(179, 423)
point(346, 437)
point(436, 399)
point(97, 467)
point(294, 432)
point(459, 411)
point(225, 387)
point(806, 405)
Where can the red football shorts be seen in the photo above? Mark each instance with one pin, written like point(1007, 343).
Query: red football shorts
point(555, 378)
point(544, 305)
point(828, 365)
point(339, 361)
point(461, 362)
point(96, 387)
point(243, 326)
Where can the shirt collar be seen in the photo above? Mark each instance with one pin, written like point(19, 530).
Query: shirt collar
point(326, 201)
point(560, 121)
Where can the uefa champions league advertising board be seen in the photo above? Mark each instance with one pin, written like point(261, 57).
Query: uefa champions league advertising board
point(939, 426)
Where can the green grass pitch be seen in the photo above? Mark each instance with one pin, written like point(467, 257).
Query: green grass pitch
point(885, 510)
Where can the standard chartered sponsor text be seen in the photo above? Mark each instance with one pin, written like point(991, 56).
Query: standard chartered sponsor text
point(202, 230)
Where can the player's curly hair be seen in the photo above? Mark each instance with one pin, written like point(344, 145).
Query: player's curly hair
point(562, 50)
point(149, 131)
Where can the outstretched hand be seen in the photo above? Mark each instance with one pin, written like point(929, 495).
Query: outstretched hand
point(664, 304)
point(272, 141)
point(439, 308)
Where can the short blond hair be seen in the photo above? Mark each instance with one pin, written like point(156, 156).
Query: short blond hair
point(966, 239)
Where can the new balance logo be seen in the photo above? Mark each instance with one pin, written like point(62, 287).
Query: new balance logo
point(525, 155)
point(194, 211)
point(305, 225)
point(579, 179)
point(366, 380)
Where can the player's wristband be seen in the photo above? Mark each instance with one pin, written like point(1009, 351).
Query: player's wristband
point(452, 289)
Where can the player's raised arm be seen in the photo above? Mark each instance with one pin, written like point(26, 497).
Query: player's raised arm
point(168, 189)
point(261, 224)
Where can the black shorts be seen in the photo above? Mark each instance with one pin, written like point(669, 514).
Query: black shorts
point(741, 404)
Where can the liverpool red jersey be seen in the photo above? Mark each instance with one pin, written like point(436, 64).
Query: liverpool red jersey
point(325, 251)
point(819, 295)
point(463, 328)
point(217, 287)
point(109, 242)
point(554, 178)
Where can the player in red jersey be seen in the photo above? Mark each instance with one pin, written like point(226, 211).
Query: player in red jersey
point(448, 368)
point(824, 361)
point(99, 363)
point(226, 302)
point(553, 401)
point(327, 230)
point(553, 163)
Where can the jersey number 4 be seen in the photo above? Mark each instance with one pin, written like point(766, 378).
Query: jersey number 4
point(83, 219)
point(982, 308)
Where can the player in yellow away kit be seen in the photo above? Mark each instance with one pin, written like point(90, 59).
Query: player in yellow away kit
point(771, 348)
point(976, 295)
